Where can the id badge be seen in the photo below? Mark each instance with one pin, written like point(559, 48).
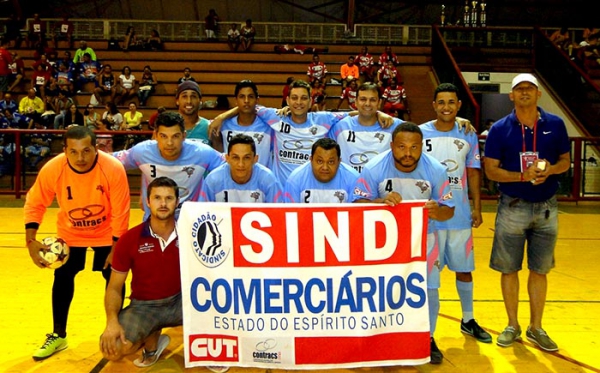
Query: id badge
point(528, 159)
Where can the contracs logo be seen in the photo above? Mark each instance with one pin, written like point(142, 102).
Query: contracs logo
point(265, 352)
point(207, 241)
point(208, 347)
point(88, 216)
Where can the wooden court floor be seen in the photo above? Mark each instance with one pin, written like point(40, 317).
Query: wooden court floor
point(572, 315)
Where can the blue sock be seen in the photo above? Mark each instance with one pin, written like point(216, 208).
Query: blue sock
point(465, 293)
point(434, 308)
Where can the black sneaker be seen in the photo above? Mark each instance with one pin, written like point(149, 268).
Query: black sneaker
point(436, 354)
point(473, 329)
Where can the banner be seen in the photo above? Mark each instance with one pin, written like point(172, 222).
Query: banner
point(294, 286)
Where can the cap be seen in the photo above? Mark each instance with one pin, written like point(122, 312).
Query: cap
point(524, 78)
point(187, 85)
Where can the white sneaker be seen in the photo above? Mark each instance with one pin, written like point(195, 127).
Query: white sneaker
point(217, 369)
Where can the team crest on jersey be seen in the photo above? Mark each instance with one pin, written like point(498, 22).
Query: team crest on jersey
point(259, 137)
point(189, 170)
point(340, 195)
point(422, 185)
point(379, 136)
point(313, 130)
point(207, 240)
point(100, 188)
point(459, 144)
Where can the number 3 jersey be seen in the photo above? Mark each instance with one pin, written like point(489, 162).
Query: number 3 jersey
point(457, 151)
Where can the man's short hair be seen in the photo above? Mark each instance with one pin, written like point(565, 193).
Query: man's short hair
point(170, 119)
point(327, 144)
point(241, 138)
point(79, 133)
point(407, 127)
point(368, 87)
point(299, 84)
point(445, 87)
point(163, 181)
point(246, 83)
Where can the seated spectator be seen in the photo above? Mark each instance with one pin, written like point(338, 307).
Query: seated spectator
point(247, 35)
point(316, 70)
point(147, 85)
point(63, 81)
point(91, 119)
point(36, 35)
point(82, 51)
point(588, 55)
point(86, 71)
point(40, 81)
point(366, 65)
point(8, 103)
point(385, 75)
point(60, 105)
point(105, 84)
point(38, 147)
point(349, 72)
point(233, 38)
point(131, 39)
point(562, 39)
point(64, 31)
point(187, 75)
point(104, 140)
point(349, 94)
point(15, 120)
point(42, 59)
point(154, 42)
point(211, 25)
point(317, 95)
point(126, 86)
point(388, 55)
point(7, 145)
point(73, 117)
point(132, 121)
point(394, 101)
point(112, 117)
point(32, 106)
point(17, 72)
point(67, 61)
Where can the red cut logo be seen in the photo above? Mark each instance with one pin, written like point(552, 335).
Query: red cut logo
point(213, 347)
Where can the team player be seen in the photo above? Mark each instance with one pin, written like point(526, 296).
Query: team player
point(151, 252)
point(325, 179)
point(171, 155)
point(241, 179)
point(92, 192)
point(362, 137)
point(459, 152)
point(188, 99)
point(405, 173)
point(246, 97)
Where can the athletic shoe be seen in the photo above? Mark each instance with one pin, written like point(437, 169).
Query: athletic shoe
point(473, 329)
point(217, 369)
point(149, 358)
point(508, 336)
point(53, 344)
point(436, 354)
point(540, 338)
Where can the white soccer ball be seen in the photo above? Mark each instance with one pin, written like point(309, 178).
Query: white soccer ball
point(56, 251)
point(350, 78)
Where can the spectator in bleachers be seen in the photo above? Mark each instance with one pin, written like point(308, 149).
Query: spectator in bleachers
point(36, 35)
point(86, 71)
point(147, 85)
point(60, 106)
point(15, 120)
point(132, 121)
point(8, 103)
point(105, 84)
point(64, 31)
point(154, 116)
point(73, 117)
point(211, 25)
point(63, 80)
point(562, 38)
point(32, 106)
point(40, 81)
point(7, 144)
point(126, 86)
point(104, 140)
point(286, 90)
point(38, 147)
point(366, 65)
point(131, 41)
point(112, 117)
point(316, 70)
point(17, 72)
point(385, 75)
point(91, 118)
point(187, 75)
point(317, 95)
point(247, 35)
point(589, 31)
point(42, 60)
point(394, 101)
point(13, 31)
point(82, 51)
point(349, 94)
point(349, 71)
point(67, 61)
point(233, 38)
point(5, 62)
point(154, 41)
point(388, 55)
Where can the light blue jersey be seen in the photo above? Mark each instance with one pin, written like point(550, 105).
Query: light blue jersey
point(199, 132)
point(187, 170)
point(293, 141)
point(262, 186)
point(258, 130)
point(427, 182)
point(303, 187)
point(457, 151)
point(359, 143)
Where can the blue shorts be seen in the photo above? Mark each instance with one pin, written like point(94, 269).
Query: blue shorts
point(456, 249)
point(519, 222)
point(143, 317)
point(434, 265)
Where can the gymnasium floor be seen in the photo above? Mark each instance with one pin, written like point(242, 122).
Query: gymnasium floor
point(571, 316)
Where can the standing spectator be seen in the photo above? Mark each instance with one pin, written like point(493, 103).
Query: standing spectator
point(366, 65)
point(147, 85)
point(459, 151)
point(394, 101)
point(398, 175)
point(81, 179)
point(316, 70)
point(82, 51)
point(241, 178)
point(64, 31)
point(349, 71)
point(126, 86)
point(211, 25)
point(526, 163)
point(233, 38)
point(349, 94)
point(36, 36)
point(155, 294)
point(187, 75)
point(5, 62)
point(247, 35)
point(17, 72)
point(388, 55)
point(105, 84)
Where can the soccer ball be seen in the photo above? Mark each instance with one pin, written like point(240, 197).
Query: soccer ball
point(350, 78)
point(56, 251)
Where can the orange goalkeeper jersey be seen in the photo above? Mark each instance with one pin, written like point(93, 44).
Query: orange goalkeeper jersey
point(94, 206)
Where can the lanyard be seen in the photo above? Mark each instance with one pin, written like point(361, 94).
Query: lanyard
point(534, 136)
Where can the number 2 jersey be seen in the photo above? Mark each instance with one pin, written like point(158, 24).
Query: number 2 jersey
point(457, 151)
